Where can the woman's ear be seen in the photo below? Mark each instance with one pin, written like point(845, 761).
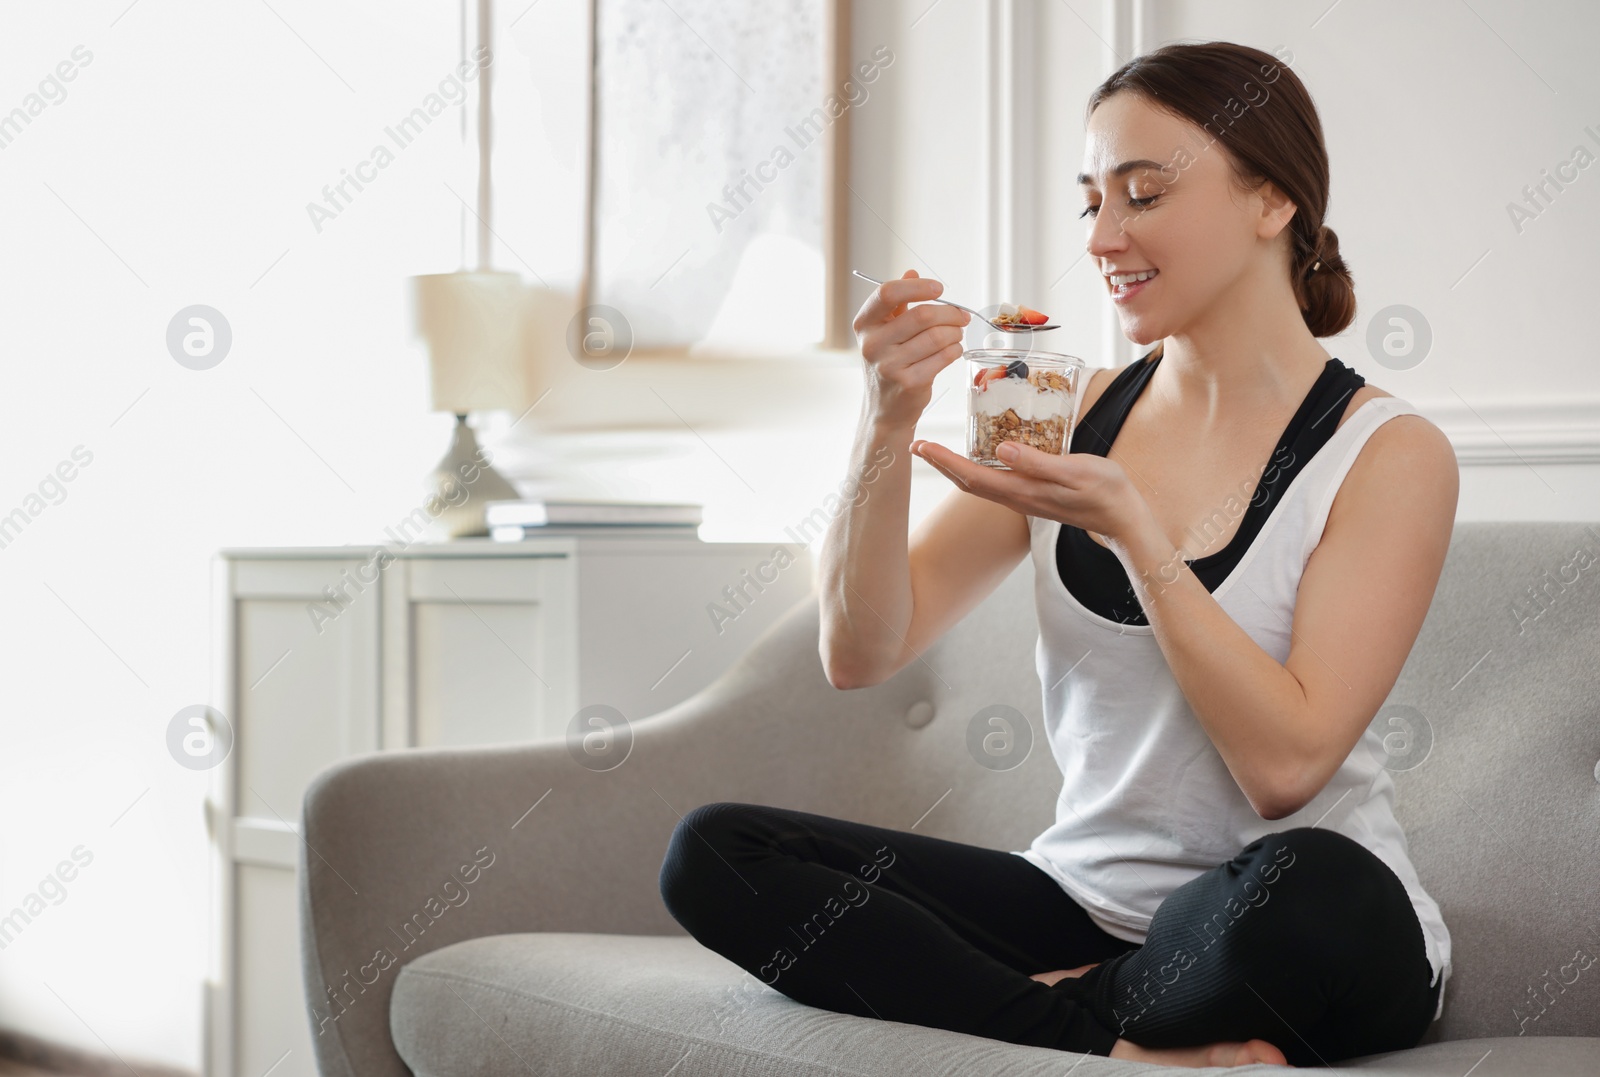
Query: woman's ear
point(1276, 210)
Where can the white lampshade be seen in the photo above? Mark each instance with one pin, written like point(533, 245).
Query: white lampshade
point(488, 344)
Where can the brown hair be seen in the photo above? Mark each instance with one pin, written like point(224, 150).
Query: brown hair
point(1261, 111)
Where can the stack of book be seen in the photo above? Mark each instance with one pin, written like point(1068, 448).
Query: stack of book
point(512, 521)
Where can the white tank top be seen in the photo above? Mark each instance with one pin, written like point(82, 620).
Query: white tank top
point(1146, 801)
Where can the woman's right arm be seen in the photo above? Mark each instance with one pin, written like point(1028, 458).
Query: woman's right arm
point(871, 624)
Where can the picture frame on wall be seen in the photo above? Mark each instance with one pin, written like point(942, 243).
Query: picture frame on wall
point(716, 206)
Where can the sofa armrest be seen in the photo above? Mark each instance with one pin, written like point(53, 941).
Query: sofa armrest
point(407, 852)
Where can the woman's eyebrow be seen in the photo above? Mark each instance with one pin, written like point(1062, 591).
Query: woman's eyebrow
point(1121, 170)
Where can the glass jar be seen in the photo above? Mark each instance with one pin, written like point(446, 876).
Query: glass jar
point(1019, 394)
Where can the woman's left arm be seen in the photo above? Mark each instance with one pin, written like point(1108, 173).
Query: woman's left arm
point(1283, 730)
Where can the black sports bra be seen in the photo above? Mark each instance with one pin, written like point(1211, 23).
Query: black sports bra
point(1094, 575)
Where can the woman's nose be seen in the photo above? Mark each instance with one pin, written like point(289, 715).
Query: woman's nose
point(1107, 235)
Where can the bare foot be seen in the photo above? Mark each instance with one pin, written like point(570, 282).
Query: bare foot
point(1049, 978)
point(1211, 1054)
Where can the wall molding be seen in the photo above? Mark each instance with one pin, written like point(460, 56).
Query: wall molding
point(1554, 430)
point(1127, 23)
point(1011, 187)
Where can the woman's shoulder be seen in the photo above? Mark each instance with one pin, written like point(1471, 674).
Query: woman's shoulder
point(1359, 397)
point(1409, 426)
point(1403, 450)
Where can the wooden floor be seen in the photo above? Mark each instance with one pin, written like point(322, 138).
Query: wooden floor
point(22, 1055)
point(10, 1067)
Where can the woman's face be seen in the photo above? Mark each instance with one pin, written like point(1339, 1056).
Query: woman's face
point(1177, 211)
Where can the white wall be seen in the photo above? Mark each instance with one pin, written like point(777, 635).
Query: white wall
point(182, 159)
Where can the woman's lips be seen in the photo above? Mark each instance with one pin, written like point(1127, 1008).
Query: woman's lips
point(1123, 295)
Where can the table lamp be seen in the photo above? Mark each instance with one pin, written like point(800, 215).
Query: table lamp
point(485, 348)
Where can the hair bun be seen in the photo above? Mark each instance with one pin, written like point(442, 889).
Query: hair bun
point(1328, 289)
point(1325, 254)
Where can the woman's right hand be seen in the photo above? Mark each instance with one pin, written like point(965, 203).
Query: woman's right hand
point(904, 347)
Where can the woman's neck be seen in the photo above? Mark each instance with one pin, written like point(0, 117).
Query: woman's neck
point(1247, 353)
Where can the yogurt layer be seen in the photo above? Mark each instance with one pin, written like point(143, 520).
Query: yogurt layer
point(1021, 396)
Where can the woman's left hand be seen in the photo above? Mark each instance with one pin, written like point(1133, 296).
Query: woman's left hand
point(1080, 489)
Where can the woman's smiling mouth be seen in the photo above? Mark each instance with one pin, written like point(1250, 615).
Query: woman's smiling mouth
point(1124, 286)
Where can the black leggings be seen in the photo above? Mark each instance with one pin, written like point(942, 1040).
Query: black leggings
point(1305, 939)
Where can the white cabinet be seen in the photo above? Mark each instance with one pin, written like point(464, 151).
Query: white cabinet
point(332, 651)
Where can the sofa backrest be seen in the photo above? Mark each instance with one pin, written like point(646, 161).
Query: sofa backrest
point(1495, 744)
point(1501, 805)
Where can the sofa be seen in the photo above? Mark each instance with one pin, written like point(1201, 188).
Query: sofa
point(496, 910)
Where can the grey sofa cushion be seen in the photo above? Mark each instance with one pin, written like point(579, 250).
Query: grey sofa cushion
point(619, 1005)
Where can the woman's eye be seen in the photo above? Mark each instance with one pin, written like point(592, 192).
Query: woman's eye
point(1091, 211)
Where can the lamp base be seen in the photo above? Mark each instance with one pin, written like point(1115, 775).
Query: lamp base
point(463, 483)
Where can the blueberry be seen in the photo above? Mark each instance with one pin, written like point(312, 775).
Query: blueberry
point(1016, 369)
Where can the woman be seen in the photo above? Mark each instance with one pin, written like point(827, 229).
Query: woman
point(1225, 882)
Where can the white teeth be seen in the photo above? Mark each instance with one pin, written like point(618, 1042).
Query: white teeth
point(1119, 280)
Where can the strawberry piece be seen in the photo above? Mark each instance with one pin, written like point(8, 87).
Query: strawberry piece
point(1029, 316)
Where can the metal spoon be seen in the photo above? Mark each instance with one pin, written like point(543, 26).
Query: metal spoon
point(1016, 327)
